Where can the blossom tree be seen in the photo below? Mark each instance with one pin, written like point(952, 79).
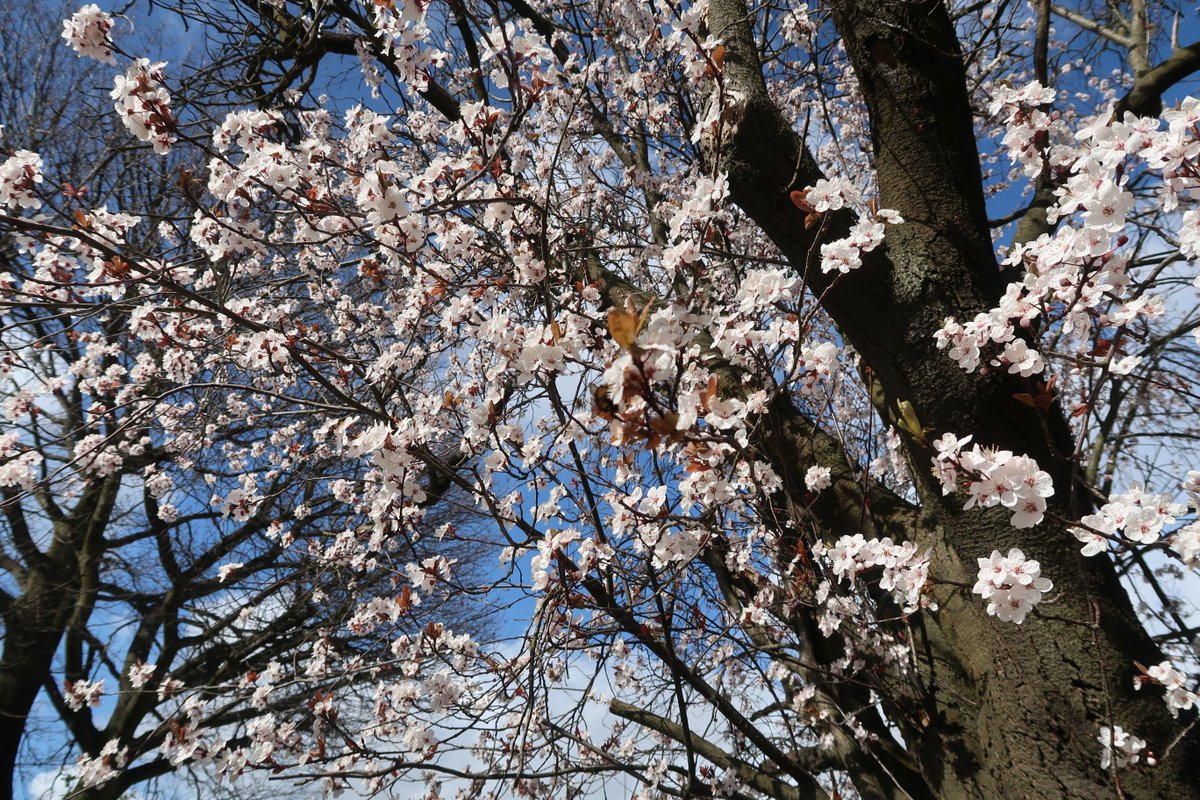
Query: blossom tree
point(156, 528)
point(822, 373)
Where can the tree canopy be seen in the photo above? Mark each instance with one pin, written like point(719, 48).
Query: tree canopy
point(803, 393)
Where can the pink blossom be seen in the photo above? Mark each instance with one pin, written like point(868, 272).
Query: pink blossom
point(87, 31)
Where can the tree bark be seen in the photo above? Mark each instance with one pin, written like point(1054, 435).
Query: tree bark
point(57, 595)
point(33, 628)
point(1012, 711)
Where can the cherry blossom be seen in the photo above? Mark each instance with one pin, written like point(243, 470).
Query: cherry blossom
point(1119, 748)
point(19, 175)
point(87, 31)
point(993, 477)
point(143, 104)
point(905, 571)
point(1011, 584)
point(226, 570)
point(83, 693)
point(530, 281)
point(1134, 515)
point(1177, 696)
point(817, 478)
point(104, 767)
point(140, 674)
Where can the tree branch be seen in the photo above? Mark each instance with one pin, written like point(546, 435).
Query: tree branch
point(1145, 97)
point(1089, 24)
point(755, 777)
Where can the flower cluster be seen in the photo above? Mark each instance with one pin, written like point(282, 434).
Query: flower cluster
point(18, 462)
point(796, 26)
point(87, 32)
point(1011, 584)
point(844, 255)
point(967, 343)
point(429, 572)
point(104, 767)
point(1186, 540)
point(1119, 748)
point(404, 36)
point(143, 104)
point(549, 548)
point(1029, 126)
point(1135, 516)
point(81, 694)
point(832, 194)
point(905, 571)
point(1178, 696)
point(817, 478)
point(19, 174)
point(993, 477)
point(140, 674)
point(1075, 279)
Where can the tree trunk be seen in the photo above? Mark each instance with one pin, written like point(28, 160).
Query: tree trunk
point(33, 629)
point(58, 591)
point(1003, 710)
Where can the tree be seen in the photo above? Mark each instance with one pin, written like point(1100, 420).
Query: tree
point(826, 480)
point(155, 527)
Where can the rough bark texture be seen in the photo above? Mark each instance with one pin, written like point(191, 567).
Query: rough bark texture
point(1013, 711)
point(57, 594)
point(30, 640)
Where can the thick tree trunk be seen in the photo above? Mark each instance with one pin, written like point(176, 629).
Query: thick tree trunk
point(33, 629)
point(57, 594)
point(1003, 710)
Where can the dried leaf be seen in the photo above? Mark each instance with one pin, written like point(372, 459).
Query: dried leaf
point(117, 268)
point(623, 327)
point(645, 315)
point(800, 201)
point(667, 424)
point(708, 394)
point(716, 62)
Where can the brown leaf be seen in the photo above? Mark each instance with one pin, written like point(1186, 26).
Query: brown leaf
point(716, 62)
point(116, 268)
point(800, 201)
point(623, 326)
point(708, 394)
point(666, 424)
